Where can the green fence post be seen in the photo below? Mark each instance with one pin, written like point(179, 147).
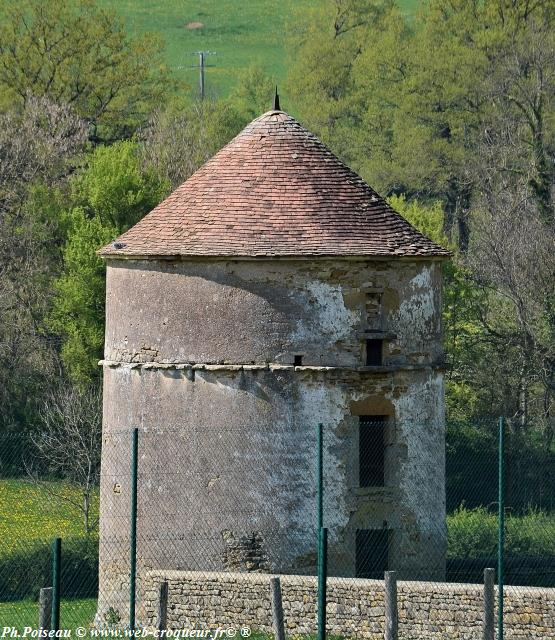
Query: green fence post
point(322, 578)
point(501, 530)
point(56, 570)
point(320, 479)
point(133, 529)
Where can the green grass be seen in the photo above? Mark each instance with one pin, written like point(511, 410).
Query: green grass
point(31, 517)
point(241, 33)
point(24, 613)
point(31, 513)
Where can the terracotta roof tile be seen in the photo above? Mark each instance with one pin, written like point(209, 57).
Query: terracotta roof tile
point(274, 190)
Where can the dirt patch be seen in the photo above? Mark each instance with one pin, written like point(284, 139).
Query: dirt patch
point(194, 25)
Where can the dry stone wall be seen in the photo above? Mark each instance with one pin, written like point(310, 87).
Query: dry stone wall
point(427, 610)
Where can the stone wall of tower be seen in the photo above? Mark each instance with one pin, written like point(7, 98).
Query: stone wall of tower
point(241, 312)
point(200, 356)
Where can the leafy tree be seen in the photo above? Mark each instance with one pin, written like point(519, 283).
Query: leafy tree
point(115, 188)
point(111, 194)
point(74, 52)
point(253, 95)
point(428, 218)
point(321, 81)
point(410, 103)
point(39, 146)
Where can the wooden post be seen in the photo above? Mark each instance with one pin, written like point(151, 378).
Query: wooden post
point(489, 600)
point(45, 608)
point(391, 613)
point(277, 608)
point(163, 606)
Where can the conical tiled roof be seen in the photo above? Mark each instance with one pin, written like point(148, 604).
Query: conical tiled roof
point(274, 190)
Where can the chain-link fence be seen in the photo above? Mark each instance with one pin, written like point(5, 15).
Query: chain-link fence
point(189, 525)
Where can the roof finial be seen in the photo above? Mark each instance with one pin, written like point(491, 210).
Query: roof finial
point(276, 101)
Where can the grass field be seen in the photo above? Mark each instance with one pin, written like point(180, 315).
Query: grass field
point(241, 33)
point(31, 513)
point(24, 613)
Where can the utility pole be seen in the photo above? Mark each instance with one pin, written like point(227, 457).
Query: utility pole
point(201, 67)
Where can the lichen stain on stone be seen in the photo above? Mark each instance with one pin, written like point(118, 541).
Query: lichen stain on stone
point(334, 319)
point(417, 308)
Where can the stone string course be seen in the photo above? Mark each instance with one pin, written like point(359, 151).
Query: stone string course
point(427, 610)
point(141, 363)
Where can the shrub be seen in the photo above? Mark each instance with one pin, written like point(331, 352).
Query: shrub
point(472, 533)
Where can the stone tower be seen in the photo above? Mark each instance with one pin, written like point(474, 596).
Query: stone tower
point(272, 291)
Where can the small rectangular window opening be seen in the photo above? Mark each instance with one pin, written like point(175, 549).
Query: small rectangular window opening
point(298, 361)
point(372, 550)
point(374, 352)
point(371, 451)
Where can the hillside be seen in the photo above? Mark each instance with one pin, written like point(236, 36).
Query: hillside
point(240, 33)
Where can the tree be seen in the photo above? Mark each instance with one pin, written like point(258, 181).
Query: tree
point(407, 102)
point(40, 141)
point(67, 444)
point(253, 94)
point(76, 53)
point(512, 261)
point(77, 314)
point(183, 136)
point(39, 146)
point(463, 332)
point(326, 46)
point(108, 196)
point(521, 128)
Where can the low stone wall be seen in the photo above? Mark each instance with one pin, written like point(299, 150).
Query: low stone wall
point(427, 610)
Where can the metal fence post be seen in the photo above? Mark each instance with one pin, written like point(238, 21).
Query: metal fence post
point(56, 570)
point(277, 608)
point(163, 606)
point(320, 479)
point(133, 529)
point(489, 604)
point(45, 608)
point(391, 613)
point(322, 578)
point(501, 531)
